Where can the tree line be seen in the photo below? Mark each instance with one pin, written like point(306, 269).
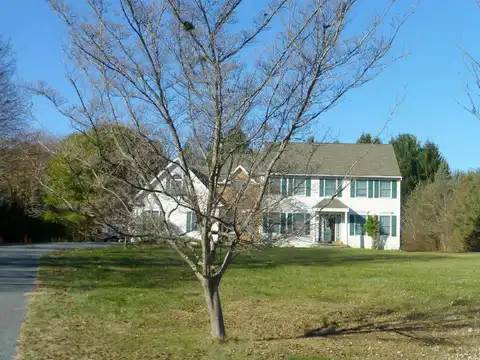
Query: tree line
point(440, 209)
point(164, 81)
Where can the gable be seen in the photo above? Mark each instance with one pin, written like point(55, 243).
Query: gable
point(173, 169)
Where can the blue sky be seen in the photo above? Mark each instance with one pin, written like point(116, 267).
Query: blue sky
point(430, 78)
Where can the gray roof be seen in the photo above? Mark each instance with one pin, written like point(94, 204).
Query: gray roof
point(338, 159)
point(349, 160)
point(330, 204)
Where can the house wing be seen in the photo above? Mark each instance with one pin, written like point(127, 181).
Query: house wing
point(196, 174)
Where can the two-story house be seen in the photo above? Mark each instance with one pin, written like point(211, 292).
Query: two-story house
point(316, 193)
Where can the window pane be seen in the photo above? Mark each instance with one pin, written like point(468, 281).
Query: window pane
point(274, 186)
point(384, 223)
point(330, 186)
point(359, 222)
point(307, 224)
point(385, 188)
point(274, 222)
point(361, 188)
point(298, 186)
point(194, 221)
point(239, 185)
point(174, 185)
point(298, 222)
point(290, 186)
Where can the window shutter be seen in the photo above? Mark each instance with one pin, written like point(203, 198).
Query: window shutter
point(394, 189)
point(308, 187)
point(375, 188)
point(284, 186)
point(265, 223)
point(289, 221)
point(394, 225)
point(283, 222)
point(322, 187)
point(352, 188)
point(352, 224)
point(189, 221)
point(370, 188)
point(339, 187)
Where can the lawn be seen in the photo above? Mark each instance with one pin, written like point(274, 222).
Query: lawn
point(142, 303)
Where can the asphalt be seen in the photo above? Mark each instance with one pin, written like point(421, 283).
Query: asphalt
point(18, 269)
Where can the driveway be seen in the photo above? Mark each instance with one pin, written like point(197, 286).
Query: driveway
point(18, 269)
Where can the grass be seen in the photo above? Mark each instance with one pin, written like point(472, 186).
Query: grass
point(142, 303)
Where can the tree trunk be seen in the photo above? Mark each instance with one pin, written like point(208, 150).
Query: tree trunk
point(214, 307)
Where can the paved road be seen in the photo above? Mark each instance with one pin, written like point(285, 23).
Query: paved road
point(18, 269)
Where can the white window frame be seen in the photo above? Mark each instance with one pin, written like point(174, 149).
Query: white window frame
point(296, 181)
point(334, 188)
point(193, 224)
point(362, 232)
point(278, 191)
point(389, 188)
point(303, 228)
point(274, 226)
point(178, 188)
point(366, 188)
point(389, 224)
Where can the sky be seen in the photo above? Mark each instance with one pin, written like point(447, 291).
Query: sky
point(430, 79)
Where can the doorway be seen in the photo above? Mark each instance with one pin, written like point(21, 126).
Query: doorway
point(328, 229)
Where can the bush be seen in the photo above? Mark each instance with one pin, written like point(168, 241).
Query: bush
point(372, 228)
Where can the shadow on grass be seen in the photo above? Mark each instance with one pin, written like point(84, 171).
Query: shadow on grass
point(328, 257)
point(416, 326)
point(154, 266)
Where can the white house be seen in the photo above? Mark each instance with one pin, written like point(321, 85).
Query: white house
point(317, 193)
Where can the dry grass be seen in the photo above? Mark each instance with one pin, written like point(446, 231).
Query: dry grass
point(141, 303)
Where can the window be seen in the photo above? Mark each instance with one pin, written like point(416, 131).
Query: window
point(298, 186)
point(191, 221)
point(384, 224)
point(362, 187)
point(359, 222)
point(306, 226)
point(276, 223)
point(274, 186)
point(239, 185)
point(174, 185)
point(330, 187)
point(271, 223)
point(385, 189)
point(301, 223)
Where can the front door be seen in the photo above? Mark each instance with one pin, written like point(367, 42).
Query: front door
point(330, 229)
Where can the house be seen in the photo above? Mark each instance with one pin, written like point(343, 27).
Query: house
point(317, 193)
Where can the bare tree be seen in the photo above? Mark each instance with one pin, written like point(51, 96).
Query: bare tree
point(472, 90)
point(178, 69)
point(13, 104)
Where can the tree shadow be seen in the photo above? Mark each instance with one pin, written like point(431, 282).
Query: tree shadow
point(327, 257)
point(137, 268)
point(416, 326)
point(161, 267)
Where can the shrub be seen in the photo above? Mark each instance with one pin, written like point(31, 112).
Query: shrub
point(372, 228)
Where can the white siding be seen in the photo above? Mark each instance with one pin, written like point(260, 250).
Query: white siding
point(176, 213)
point(356, 205)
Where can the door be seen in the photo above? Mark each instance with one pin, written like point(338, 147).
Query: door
point(329, 224)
